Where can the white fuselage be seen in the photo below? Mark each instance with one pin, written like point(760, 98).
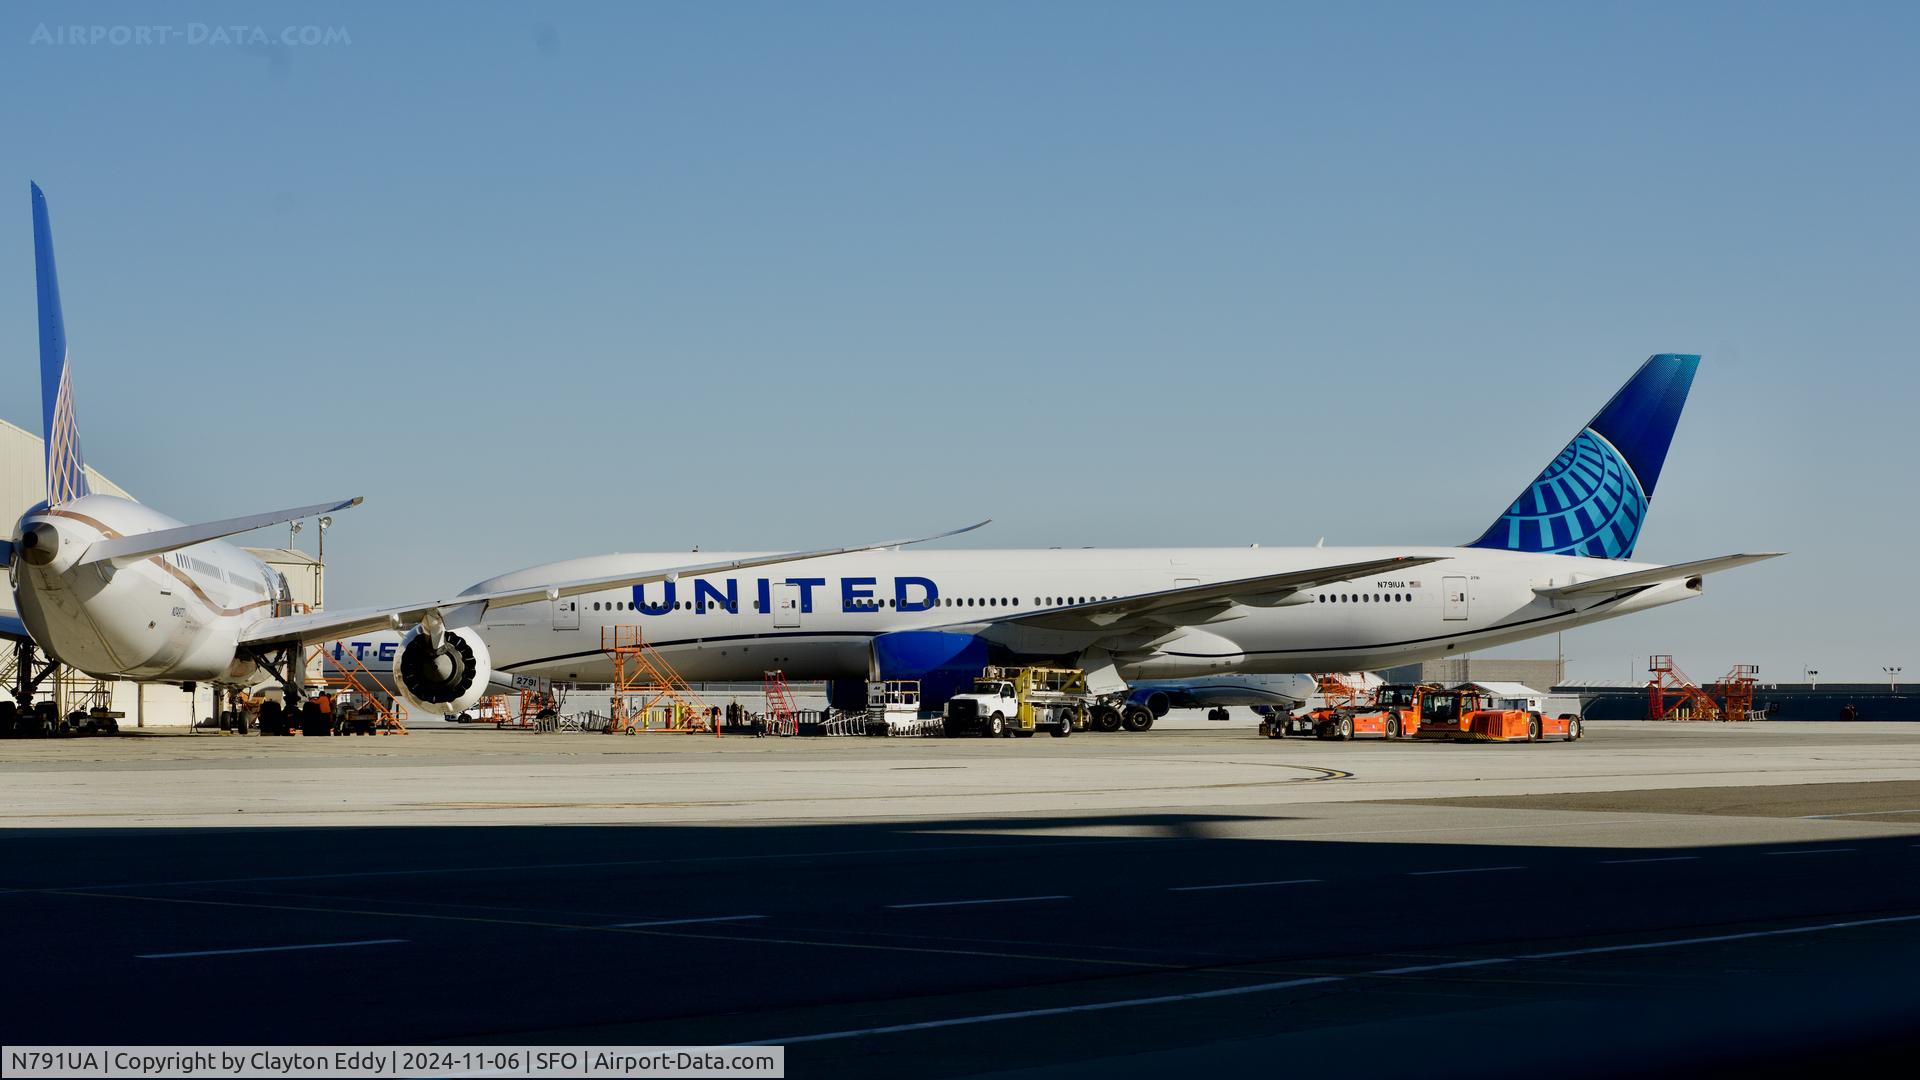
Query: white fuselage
point(820, 623)
point(173, 617)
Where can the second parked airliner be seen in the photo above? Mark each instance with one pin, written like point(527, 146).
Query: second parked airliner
point(1163, 625)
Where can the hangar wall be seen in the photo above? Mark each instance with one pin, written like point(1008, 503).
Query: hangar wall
point(1539, 674)
point(23, 475)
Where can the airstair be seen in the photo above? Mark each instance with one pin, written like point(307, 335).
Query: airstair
point(781, 718)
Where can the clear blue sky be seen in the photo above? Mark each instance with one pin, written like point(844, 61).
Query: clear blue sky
point(547, 280)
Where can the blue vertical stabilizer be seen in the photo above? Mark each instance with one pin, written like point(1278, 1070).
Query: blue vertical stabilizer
point(66, 469)
point(1592, 499)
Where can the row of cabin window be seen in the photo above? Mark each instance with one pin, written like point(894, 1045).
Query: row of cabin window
point(187, 562)
point(995, 601)
point(686, 605)
point(875, 604)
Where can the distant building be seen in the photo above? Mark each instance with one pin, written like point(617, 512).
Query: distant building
point(1458, 669)
point(306, 578)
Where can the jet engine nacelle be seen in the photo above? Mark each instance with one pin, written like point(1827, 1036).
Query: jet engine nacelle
point(44, 546)
point(448, 680)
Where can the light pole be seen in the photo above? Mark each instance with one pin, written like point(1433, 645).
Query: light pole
point(1893, 677)
point(293, 530)
point(1812, 676)
point(320, 575)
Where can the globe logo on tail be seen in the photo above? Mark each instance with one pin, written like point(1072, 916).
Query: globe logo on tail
point(66, 476)
point(1586, 502)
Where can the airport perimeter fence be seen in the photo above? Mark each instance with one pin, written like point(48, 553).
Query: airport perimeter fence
point(806, 723)
point(829, 723)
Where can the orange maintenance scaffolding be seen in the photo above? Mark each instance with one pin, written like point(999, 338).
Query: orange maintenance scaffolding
point(493, 709)
point(539, 709)
point(647, 694)
point(1342, 690)
point(1673, 696)
point(1735, 691)
point(344, 674)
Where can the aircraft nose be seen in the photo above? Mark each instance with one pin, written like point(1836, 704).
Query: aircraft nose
point(40, 543)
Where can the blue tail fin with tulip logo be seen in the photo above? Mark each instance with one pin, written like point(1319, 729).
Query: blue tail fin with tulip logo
point(1592, 499)
point(66, 470)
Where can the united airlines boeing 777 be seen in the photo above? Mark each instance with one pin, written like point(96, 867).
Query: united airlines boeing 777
point(1159, 626)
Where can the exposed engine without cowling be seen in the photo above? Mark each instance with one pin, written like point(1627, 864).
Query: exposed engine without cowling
point(1156, 701)
point(448, 680)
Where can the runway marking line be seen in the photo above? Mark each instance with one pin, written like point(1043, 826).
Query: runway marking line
point(1418, 968)
point(1103, 841)
point(1059, 1010)
point(1243, 885)
point(1289, 984)
point(969, 903)
point(670, 932)
point(681, 922)
point(1717, 938)
point(1463, 870)
point(1663, 858)
point(269, 948)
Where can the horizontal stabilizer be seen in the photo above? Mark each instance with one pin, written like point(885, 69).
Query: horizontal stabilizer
point(122, 550)
point(465, 609)
point(1619, 583)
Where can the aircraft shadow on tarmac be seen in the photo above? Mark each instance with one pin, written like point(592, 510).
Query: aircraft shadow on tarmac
point(1116, 931)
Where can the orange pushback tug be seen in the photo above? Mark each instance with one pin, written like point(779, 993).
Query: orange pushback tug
point(1469, 714)
point(1393, 714)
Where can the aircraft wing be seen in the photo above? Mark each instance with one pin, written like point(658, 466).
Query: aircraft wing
point(1639, 579)
point(1175, 606)
point(465, 609)
point(11, 628)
